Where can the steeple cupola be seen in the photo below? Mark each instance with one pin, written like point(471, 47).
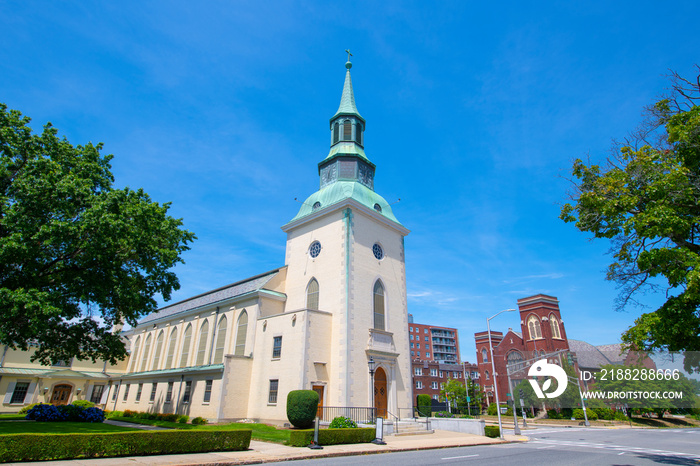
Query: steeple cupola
point(346, 160)
point(346, 173)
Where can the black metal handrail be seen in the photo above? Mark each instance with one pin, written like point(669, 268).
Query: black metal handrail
point(362, 415)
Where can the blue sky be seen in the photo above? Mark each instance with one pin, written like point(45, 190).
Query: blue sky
point(474, 114)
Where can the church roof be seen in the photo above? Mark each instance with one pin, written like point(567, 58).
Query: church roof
point(347, 100)
point(590, 356)
point(342, 190)
point(210, 297)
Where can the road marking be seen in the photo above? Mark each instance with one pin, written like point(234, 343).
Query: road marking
point(569, 443)
point(620, 454)
point(459, 457)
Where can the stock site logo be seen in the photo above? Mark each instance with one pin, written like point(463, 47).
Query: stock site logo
point(544, 369)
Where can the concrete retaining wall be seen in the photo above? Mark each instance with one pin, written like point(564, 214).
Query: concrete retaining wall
point(465, 426)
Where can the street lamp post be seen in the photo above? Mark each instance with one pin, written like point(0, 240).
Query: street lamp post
point(371, 365)
point(493, 369)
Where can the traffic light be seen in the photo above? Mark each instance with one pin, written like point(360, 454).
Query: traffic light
point(521, 393)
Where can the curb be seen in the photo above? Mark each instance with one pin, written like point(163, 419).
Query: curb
point(343, 453)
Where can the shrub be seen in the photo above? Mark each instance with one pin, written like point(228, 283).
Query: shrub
point(566, 413)
point(444, 414)
point(183, 419)
point(604, 413)
point(341, 422)
point(83, 404)
point(171, 417)
point(552, 414)
point(41, 447)
point(303, 438)
point(70, 413)
point(492, 409)
point(129, 413)
point(44, 413)
point(620, 416)
point(26, 409)
point(198, 421)
point(301, 408)
point(92, 415)
point(111, 414)
point(424, 405)
point(492, 431)
point(578, 414)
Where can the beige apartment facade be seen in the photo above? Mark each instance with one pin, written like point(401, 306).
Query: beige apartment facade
point(338, 303)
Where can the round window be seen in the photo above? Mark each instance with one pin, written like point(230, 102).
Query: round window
point(316, 206)
point(378, 251)
point(315, 249)
point(377, 207)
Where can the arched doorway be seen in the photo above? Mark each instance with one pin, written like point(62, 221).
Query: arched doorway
point(61, 394)
point(380, 392)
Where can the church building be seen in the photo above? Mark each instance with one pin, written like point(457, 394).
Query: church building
point(316, 323)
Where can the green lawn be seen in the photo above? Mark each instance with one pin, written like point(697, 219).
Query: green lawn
point(260, 431)
point(34, 427)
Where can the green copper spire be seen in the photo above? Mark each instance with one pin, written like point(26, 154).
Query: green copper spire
point(347, 101)
point(346, 173)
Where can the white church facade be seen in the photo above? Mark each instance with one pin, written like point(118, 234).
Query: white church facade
point(237, 351)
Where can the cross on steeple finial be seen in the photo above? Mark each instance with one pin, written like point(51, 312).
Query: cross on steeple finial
point(348, 65)
point(349, 54)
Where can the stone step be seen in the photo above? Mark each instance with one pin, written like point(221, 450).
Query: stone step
point(420, 432)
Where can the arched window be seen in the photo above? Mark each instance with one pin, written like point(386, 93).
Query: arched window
point(186, 343)
point(554, 323)
point(484, 355)
point(202, 346)
point(515, 361)
point(347, 130)
point(220, 341)
point(312, 295)
point(486, 375)
point(241, 333)
point(146, 350)
point(378, 305)
point(358, 133)
point(172, 341)
point(336, 132)
point(533, 324)
point(134, 354)
point(156, 355)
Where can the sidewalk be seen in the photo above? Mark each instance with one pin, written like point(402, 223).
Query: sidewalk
point(264, 452)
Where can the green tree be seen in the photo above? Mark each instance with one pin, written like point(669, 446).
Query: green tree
point(476, 395)
point(77, 256)
point(620, 379)
point(454, 392)
point(646, 200)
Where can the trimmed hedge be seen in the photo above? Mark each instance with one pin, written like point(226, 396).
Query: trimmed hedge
point(301, 408)
point(42, 447)
point(303, 438)
point(492, 431)
point(424, 405)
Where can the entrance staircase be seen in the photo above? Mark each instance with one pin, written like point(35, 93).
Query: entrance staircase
point(411, 427)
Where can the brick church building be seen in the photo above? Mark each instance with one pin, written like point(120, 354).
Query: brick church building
point(541, 332)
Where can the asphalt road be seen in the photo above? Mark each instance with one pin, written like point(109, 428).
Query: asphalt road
point(553, 446)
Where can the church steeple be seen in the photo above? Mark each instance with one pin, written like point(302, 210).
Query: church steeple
point(346, 173)
point(347, 100)
point(346, 160)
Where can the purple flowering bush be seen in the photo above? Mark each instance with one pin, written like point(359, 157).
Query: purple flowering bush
point(63, 413)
